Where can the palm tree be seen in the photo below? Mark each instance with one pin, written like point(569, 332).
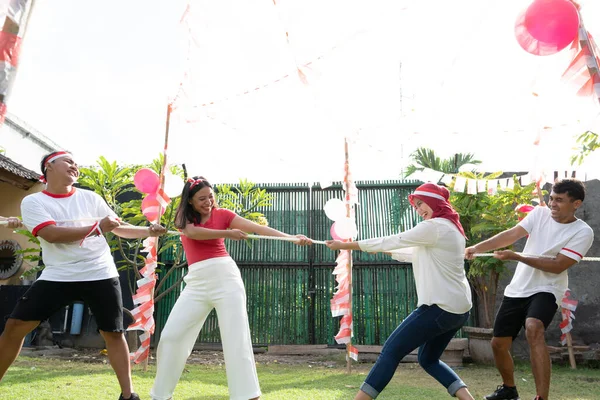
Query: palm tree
point(424, 157)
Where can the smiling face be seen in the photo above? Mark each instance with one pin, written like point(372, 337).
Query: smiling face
point(63, 171)
point(563, 207)
point(203, 201)
point(423, 209)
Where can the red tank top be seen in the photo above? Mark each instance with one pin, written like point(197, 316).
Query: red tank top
point(200, 250)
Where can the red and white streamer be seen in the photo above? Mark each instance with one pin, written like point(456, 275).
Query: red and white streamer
point(143, 297)
point(568, 307)
point(341, 303)
point(14, 16)
point(583, 71)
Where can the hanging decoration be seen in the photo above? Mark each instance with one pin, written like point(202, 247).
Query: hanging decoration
point(547, 26)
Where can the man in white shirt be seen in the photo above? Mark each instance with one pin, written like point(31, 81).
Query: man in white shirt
point(538, 285)
point(78, 264)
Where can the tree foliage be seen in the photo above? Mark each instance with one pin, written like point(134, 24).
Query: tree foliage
point(424, 157)
point(482, 216)
point(114, 183)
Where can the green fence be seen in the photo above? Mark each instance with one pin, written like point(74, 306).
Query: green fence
point(289, 288)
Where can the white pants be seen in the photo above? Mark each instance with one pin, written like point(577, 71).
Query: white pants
point(214, 283)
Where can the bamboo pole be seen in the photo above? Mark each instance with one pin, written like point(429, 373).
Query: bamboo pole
point(348, 214)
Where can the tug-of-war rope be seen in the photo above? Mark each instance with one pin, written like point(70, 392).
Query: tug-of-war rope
point(292, 239)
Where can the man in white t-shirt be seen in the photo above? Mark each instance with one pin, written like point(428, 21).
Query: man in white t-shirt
point(538, 285)
point(78, 264)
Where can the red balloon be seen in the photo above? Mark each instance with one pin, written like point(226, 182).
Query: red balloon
point(523, 208)
point(146, 180)
point(547, 26)
point(150, 207)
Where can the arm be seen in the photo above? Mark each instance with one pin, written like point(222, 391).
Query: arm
point(554, 265)
point(503, 239)
point(251, 227)
point(198, 233)
point(127, 231)
point(424, 234)
point(70, 234)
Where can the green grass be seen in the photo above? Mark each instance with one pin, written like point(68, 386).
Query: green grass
point(43, 378)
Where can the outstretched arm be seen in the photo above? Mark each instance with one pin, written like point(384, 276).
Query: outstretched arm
point(251, 227)
point(199, 233)
point(503, 239)
point(127, 231)
point(554, 265)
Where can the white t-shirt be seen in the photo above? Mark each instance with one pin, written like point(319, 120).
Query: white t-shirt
point(68, 262)
point(438, 252)
point(548, 237)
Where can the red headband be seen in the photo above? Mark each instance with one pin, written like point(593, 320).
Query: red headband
point(195, 182)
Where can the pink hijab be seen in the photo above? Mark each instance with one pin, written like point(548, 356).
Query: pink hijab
point(437, 197)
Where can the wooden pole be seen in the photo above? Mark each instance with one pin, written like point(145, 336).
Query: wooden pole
point(161, 186)
point(570, 348)
point(348, 214)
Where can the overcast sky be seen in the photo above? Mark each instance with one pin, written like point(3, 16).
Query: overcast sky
point(390, 74)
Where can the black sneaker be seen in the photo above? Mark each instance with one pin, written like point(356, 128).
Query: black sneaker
point(504, 392)
point(133, 396)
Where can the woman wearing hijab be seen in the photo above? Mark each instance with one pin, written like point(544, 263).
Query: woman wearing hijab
point(436, 249)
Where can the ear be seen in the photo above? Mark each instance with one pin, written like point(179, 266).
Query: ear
point(577, 204)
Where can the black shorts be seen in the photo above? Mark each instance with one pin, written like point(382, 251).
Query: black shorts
point(45, 298)
point(514, 311)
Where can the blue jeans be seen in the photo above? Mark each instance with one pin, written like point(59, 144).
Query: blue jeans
point(430, 329)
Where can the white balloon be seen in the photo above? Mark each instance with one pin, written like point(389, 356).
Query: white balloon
point(335, 209)
point(173, 185)
point(346, 228)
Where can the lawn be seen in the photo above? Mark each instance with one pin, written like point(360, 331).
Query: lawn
point(45, 378)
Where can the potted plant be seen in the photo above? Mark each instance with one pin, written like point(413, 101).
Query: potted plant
point(484, 215)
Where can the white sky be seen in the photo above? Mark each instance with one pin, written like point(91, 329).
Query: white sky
point(95, 77)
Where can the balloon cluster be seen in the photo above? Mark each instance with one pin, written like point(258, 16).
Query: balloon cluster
point(547, 26)
point(148, 181)
point(343, 226)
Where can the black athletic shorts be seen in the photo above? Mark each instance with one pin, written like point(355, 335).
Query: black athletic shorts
point(45, 298)
point(514, 311)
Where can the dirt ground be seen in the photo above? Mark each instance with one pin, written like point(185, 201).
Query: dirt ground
point(202, 357)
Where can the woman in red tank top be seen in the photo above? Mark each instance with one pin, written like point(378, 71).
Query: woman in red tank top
point(213, 281)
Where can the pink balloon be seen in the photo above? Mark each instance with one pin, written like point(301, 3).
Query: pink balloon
point(525, 208)
point(547, 26)
point(150, 207)
point(333, 234)
point(146, 180)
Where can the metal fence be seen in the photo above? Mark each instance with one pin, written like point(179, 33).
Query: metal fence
point(289, 287)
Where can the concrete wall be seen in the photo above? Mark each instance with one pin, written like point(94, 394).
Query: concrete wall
point(584, 282)
point(10, 206)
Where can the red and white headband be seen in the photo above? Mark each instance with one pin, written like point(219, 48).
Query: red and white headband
point(195, 182)
point(428, 194)
point(51, 158)
point(55, 156)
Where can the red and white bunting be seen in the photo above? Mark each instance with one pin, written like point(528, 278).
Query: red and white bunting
point(583, 71)
point(13, 18)
point(143, 297)
point(568, 307)
point(341, 303)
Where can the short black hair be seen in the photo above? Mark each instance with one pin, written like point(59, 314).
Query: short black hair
point(574, 188)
